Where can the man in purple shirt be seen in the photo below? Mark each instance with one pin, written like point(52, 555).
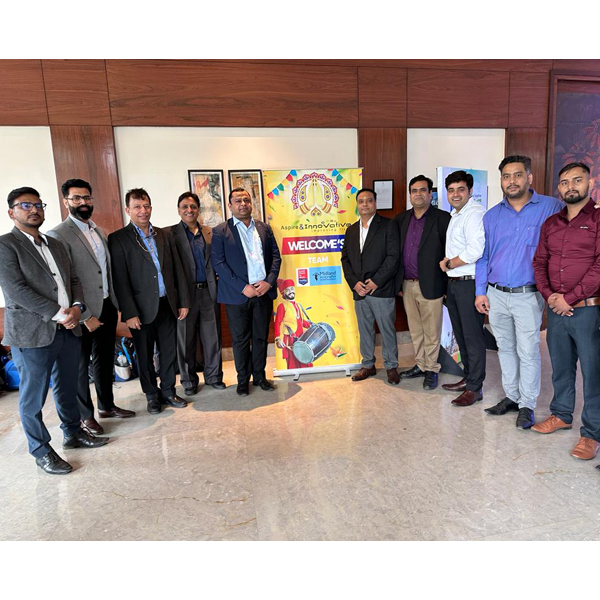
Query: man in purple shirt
point(505, 286)
point(567, 273)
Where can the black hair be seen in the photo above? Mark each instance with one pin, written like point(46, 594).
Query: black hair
point(516, 158)
point(366, 190)
point(574, 165)
point(136, 194)
point(14, 194)
point(458, 176)
point(70, 183)
point(421, 178)
point(191, 195)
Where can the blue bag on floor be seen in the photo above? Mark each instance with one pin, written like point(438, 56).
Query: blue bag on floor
point(11, 374)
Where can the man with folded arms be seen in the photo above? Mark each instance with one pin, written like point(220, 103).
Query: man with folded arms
point(567, 273)
point(465, 240)
point(505, 286)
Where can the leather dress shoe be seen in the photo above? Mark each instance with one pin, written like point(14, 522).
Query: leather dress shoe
point(525, 418)
point(82, 439)
point(364, 373)
point(154, 404)
point(586, 449)
point(431, 380)
point(412, 373)
point(192, 391)
point(459, 386)
point(53, 464)
point(92, 426)
point(243, 389)
point(505, 405)
point(392, 376)
point(550, 425)
point(468, 398)
point(265, 385)
point(218, 385)
point(175, 401)
point(119, 413)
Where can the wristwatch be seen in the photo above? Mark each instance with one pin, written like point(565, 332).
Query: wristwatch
point(448, 264)
point(81, 306)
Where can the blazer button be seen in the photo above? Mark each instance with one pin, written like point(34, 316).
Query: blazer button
point(99, 272)
point(56, 289)
point(99, 287)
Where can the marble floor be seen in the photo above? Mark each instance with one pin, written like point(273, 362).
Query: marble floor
point(319, 459)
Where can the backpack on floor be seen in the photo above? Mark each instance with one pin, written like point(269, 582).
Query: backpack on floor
point(11, 374)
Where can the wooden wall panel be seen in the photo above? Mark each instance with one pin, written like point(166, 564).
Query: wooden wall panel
point(577, 64)
point(531, 142)
point(457, 98)
point(22, 100)
point(204, 94)
point(88, 152)
point(529, 98)
point(76, 92)
point(381, 97)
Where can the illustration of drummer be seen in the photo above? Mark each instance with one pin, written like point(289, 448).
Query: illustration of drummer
point(290, 323)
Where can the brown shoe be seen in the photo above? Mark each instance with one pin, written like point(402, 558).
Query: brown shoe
point(393, 377)
point(586, 449)
point(467, 398)
point(120, 413)
point(92, 426)
point(550, 425)
point(364, 373)
point(459, 386)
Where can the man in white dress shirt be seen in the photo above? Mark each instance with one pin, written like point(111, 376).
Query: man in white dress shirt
point(465, 241)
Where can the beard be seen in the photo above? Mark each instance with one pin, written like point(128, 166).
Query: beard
point(520, 191)
point(572, 199)
point(290, 296)
point(83, 211)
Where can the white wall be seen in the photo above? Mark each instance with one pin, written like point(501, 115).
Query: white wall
point(482, 149)
point(158, 158)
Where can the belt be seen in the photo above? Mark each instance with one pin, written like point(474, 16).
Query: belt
point(462, 278)
point(411, 279)
point(595, 301)
point(202, 285)
point(516, 290)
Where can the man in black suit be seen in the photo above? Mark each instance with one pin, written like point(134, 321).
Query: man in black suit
point(370, 261)
point(193, 242)
point(152, 292)
point(247, 260)
point(423, 245)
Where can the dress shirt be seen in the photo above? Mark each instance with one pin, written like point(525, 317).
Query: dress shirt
point(198, 247)
point(364, 232)
point(253, 251)
point(150, 244)
point(567, 260)
point(465, 237)
point(88, 229)
point(411, 246)
point(44, 251)
point(511, 239)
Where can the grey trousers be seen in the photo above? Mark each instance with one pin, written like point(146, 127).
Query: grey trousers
point(516, 321)
point(383, 311)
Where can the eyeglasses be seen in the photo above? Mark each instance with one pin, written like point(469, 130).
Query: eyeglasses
point(141, 244)
point(80, 199)
point(29, 205)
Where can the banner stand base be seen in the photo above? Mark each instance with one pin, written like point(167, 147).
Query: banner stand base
point(330, 369)
point(448, 364)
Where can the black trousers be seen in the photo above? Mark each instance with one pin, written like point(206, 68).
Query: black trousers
point(467, 323)
point(100, 345)
point(163, 332)
point(250, 322)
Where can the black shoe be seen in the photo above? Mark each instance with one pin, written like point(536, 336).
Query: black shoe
point(191, 391)
point(243, 389)
point(175, 401)
point(525, 418)
point(431, 380)
point(218, 385)
point(82, 439)
point(154, 405)
point(53, 464)
point(505, 405)
point(412, 373)
point(265, 385)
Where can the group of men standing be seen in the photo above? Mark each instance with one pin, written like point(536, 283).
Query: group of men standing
point(503, 263)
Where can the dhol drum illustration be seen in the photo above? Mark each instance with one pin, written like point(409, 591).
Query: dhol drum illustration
point(314, 342)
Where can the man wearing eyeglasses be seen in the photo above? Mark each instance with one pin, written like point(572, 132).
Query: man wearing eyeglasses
point(43, 305)
point(151, 289)
point(88, 250)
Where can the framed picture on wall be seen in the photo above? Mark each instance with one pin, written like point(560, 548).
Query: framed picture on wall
point(208, 184)
point(251, 181)
point(384, 188)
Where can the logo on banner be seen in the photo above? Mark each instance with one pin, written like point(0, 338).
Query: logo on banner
point(325, 275)
point(312, 244)
point(314, 193)
point(302, 277)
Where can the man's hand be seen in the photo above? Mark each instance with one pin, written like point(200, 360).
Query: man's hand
point(182, 313)
point(482, 304)
point(279, 343)
point(361, 289)
point(443, 264)
point(370, 285)
point(72, 318)
point(92, 324)
point(261, 287)
point(558, 304)
point(134, 323)
point(400, 294)
point(250, 291)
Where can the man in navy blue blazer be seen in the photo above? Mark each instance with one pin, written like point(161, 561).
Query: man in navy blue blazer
point(246, 258)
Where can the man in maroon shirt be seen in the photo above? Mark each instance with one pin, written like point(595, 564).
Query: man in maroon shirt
point(567, 273)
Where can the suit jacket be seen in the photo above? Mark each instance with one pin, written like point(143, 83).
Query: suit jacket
point(188, 262)
point(229, 260)
point(136, 279)
point(86, 265)
point(30, 292)
point(432, 280)
point(378, 260)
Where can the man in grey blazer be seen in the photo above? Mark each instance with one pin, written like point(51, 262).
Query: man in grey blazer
point(88, 250)
point(43, 305)
point(203, 322)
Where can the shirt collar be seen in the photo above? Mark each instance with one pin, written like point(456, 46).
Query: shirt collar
point(237, 222)
point(369, 221)
point(535, 198)
point(89, 225)
point(587, 209)
point(141, 233)
point(470, 203)
point(32, 240)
